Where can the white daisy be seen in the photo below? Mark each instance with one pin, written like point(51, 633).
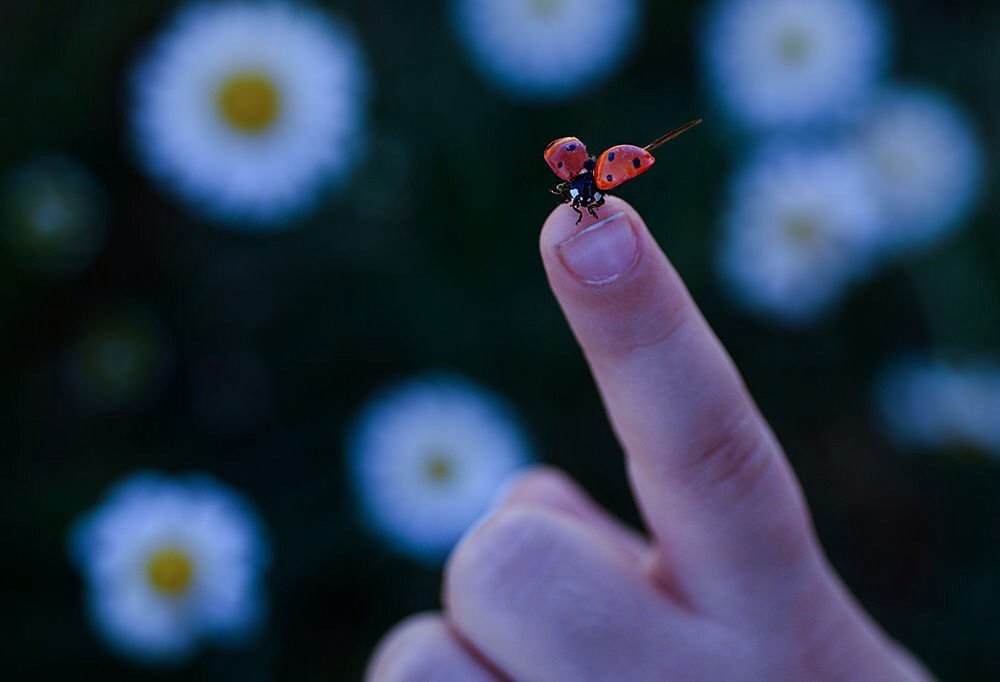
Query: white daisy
point(169, 563)
point(926, 403)
point(248, 109)
point(52, 216)
point(546, 49)
point(118, 360)
point(427, 457)
point(800, 224)
point(926, 160)
point(775, 63)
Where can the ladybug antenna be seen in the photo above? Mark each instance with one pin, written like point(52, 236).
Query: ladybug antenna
point(666, 137)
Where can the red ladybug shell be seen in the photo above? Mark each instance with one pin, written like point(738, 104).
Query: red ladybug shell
point(566, 157)
point(620, 163)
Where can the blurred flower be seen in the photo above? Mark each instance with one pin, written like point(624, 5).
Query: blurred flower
point(170, 562)
point(248, 109)
point(776, 63)
point(52, 216)
point(926, 161)
point(546, 49)
point(118, 361)
point(427, 458)
point(932, 404)
point(800, 224)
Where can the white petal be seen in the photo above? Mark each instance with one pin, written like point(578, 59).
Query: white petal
point(546, 49)
point(211, 524)
point(180, 138)
point(393, 442)
point(926, 161)
point(772, 63)
point(763, 264)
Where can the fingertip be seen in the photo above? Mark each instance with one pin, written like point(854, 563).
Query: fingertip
point(401, 637)
point(561, 223)
point(551, 488)
point(423, 647)
point(541, 484)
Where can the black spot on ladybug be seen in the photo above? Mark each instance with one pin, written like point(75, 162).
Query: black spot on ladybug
point(611, 156)
point(560, 164)
point(610, 178)
point(570, 147)
point(636, 162)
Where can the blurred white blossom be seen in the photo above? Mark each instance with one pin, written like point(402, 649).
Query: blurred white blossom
point(169, 563)
point(119, 360)
point(926, 161)
point(52, 215)
point(547, 49)
point(772, 63)
point(249, 109)
point(427, 457)
point(927, 403)
point(800, 224)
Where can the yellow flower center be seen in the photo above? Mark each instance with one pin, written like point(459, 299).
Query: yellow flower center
point(546, 8)
point(170, 571)
point(249, 101)
point(439, 467)
point(793, 46)
point(802, 229)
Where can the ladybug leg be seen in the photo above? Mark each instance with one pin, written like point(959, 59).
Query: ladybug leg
point(575, 205)
point(592, 208)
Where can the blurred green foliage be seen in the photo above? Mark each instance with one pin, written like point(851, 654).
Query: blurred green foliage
point(428, 260)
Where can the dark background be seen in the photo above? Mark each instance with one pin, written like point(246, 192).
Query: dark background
point(428, 260)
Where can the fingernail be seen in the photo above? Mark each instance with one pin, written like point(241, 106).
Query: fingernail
point(601, 253)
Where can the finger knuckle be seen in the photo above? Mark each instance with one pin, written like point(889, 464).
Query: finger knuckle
point(413, 650)
point(733, 459)
point(494, 561)
point(539, 483)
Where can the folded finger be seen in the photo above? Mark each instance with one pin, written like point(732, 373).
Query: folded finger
point(543, 597)
point(549, 487)
point(422, 649)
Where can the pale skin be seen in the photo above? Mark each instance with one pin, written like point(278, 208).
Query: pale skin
point(727, 583)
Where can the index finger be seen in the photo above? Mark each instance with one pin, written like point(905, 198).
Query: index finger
point(713, 485)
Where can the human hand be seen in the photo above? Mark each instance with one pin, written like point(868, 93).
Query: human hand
point(731, 584)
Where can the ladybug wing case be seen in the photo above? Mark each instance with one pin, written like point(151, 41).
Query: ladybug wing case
point(620, 163)
point(566, 157)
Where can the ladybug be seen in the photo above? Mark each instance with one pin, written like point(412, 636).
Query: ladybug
point(587, 178)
